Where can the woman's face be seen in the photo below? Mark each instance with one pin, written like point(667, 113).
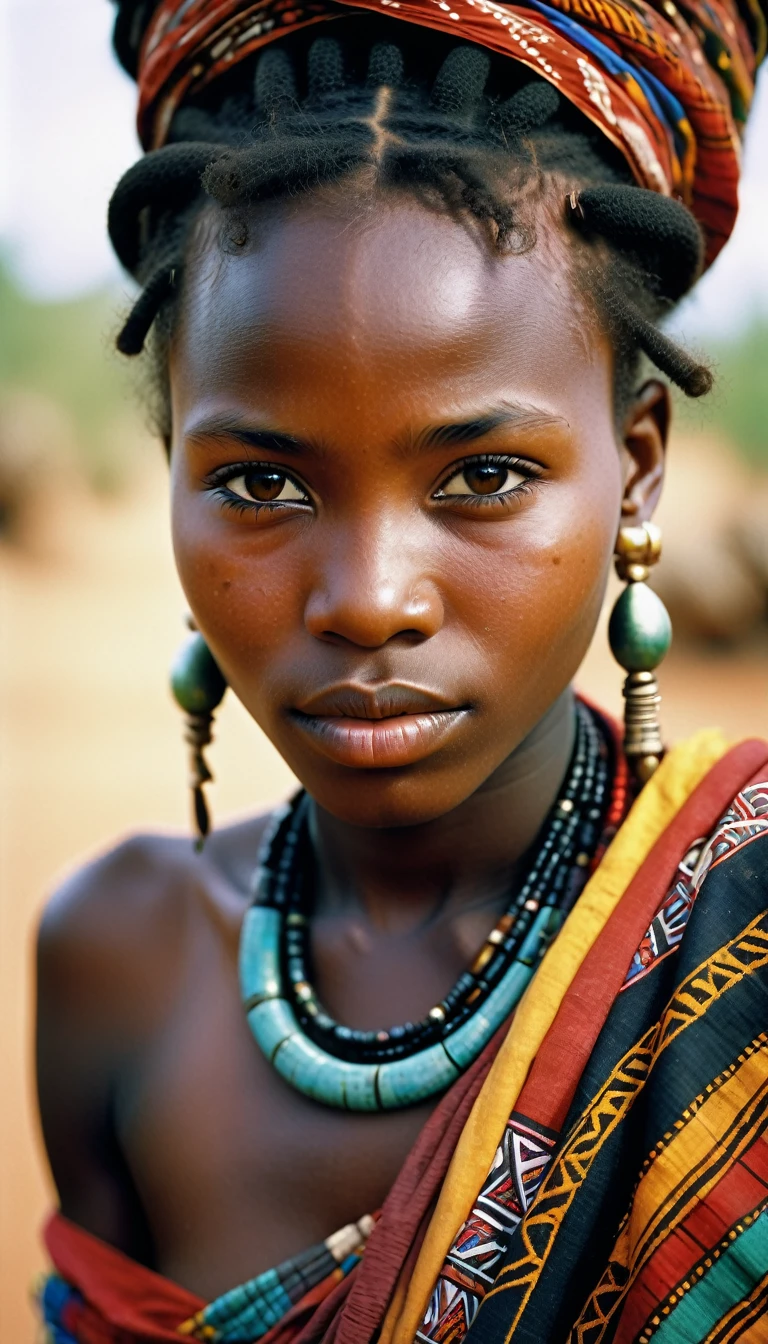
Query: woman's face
point(396, 489)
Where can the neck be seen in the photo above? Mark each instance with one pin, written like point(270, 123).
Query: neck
point(398, 878)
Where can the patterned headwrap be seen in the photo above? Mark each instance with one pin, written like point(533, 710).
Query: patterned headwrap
point(669, 82)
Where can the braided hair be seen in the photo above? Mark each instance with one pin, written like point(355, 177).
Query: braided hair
point(424, 115)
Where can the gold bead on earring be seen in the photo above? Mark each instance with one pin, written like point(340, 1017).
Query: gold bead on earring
point(640, 633)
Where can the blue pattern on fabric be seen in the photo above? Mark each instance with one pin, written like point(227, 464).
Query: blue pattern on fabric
point(55, 1296)
point(663, 103)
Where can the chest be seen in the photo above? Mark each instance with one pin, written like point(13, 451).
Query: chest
point(235, 1170)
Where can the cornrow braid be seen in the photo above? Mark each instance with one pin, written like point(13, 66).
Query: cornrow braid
point(158, 289)
point(667, 243)
point(441, 122)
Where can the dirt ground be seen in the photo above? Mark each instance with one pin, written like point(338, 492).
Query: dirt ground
point(91, 614)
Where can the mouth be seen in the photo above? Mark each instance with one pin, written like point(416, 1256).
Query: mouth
point(382, 727)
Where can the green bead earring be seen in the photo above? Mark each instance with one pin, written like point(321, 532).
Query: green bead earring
point(198, 688)
point(640, 633)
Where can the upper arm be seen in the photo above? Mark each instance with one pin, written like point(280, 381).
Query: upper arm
point(91, 1015)
point(112, 946)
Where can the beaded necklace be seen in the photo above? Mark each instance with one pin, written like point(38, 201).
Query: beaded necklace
point(405, 1064)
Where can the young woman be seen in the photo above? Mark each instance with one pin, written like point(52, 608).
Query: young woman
point(468, 1041)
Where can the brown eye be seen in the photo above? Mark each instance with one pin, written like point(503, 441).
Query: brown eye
point(482, 478)
point(267, 485)
point(485, 480)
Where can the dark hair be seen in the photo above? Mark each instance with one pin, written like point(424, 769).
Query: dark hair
point(442, 121)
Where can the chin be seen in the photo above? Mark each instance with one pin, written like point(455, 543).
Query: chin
point(389, 799)
point(384, 810)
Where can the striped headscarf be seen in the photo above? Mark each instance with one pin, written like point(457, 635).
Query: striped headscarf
point(670, 84)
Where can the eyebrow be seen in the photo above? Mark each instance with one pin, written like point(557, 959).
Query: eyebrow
point(511, 416)
point(514, 416)
point(230, 427)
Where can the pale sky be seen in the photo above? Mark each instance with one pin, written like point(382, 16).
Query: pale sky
point(67, 133)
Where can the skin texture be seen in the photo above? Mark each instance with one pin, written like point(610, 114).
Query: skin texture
point(338, 350)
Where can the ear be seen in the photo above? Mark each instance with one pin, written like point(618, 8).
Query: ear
point(645, 431)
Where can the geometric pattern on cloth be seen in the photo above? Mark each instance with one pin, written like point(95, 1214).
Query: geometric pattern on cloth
point(707, 984)
point(705, 1182)
point(516, 1173)
point(745, 820)
point(252, 1309)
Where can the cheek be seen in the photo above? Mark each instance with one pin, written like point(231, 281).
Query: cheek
point(532, 604)
point(537, 582)
point(244, 590)
point(531, 615)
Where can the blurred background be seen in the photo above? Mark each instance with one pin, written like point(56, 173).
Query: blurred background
point(90, 606)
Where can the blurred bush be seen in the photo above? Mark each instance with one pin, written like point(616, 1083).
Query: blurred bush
point(737, 409)
point(714, 517)
point(714, 577)
point(63, 392)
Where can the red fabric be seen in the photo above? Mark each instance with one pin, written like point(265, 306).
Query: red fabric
point(563, 1055)
point(124, 1301)
point(704, 55)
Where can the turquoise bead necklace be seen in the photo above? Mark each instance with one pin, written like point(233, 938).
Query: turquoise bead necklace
point(385, 1070)
point(516, 932)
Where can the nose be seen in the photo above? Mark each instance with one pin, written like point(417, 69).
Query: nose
point(374, 587)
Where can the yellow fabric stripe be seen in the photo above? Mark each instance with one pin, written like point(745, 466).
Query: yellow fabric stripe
point(691, 1164)
point(678, 775)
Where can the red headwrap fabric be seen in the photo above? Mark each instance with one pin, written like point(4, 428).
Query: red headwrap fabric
point(670, 86)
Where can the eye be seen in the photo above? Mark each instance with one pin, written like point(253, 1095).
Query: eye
point(266, 485)
point(490, 477)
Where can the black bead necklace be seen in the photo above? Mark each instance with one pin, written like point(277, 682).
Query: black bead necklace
point(556, 875)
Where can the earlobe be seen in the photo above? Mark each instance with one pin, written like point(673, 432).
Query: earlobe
point(646, 428)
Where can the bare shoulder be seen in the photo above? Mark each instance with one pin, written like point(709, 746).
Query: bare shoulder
point(114, 943)
point(132, 908)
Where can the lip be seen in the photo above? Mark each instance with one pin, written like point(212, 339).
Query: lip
point(378, 727)
point(355, 700)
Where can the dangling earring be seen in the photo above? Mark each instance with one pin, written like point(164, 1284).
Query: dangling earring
point(198, 687)
point(640, 633)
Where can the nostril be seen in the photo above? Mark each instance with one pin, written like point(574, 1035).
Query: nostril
point(413, 636)
point(356, 610)
point(406, 637)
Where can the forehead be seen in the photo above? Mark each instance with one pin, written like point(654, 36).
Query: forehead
point(388, 307)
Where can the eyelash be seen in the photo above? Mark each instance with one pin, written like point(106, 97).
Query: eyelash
point(239, 506)
point(532, 472)
point(217, 482)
